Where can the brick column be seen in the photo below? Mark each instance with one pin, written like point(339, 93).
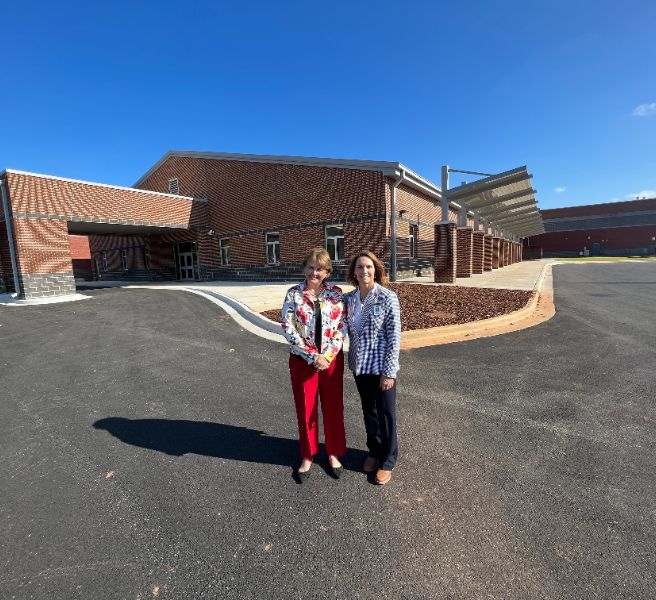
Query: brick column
point(6, 270)
point(503, 253)
point(445, 253)
point(488, 243)
point(477, 251)
point(496, 247)
point(521, 253)
point(464, 252)
point(43, 255)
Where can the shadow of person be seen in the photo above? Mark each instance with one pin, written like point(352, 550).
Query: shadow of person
point(179, 437)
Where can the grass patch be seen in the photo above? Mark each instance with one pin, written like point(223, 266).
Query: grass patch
point(607, 258)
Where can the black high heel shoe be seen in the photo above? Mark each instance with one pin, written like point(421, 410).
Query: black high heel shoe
point(302, 476)
point(337, 472)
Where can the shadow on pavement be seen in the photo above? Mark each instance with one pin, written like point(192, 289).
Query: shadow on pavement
point(176, 437)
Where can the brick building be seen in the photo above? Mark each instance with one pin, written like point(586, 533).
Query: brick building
point(229, 216)
point(611, 229)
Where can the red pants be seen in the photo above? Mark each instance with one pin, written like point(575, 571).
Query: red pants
point(308, 385)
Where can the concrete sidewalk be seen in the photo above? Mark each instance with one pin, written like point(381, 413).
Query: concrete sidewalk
point(259, 296)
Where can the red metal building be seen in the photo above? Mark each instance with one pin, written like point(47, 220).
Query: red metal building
point(612, 229)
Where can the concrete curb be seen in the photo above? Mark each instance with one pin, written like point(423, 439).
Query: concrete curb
point(539, 309)
point(244, 316)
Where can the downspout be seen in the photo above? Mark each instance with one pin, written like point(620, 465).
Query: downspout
point(10, 235)
point(395, 185)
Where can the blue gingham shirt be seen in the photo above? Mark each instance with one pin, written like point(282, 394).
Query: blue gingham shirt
point(376, 341)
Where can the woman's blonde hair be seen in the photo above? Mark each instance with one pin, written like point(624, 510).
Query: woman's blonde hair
point(320, 258)
point(379, 268)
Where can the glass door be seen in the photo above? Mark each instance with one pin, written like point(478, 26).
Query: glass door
point(186, 260)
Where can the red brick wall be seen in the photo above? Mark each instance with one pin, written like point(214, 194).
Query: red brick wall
point(43, 195)
point(599, 209)
point(43, 246)
point(79, 245)
point(637, 236)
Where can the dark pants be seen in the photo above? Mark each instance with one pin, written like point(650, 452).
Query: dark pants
point(379, 410)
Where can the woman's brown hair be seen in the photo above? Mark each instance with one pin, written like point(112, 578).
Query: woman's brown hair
point(320, 258)
point(379, 268)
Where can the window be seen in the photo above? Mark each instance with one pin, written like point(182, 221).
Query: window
point(174, 186)
point(412, 241)
point(124, 259)
point(273, 248)
point(104, 261)
point(224, 246)
point(335, 241)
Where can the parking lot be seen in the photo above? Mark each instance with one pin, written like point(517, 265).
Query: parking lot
point(147, 443)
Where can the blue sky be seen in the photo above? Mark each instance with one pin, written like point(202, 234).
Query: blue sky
point(99, 91)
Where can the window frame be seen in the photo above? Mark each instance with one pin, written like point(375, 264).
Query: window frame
point(336, 245)
point(413, 238)
point(222, 246)
point(275, 245)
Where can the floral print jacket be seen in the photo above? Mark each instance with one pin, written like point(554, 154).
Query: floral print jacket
point(298, 322)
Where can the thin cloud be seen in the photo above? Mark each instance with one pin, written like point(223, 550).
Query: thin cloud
point(559, 190)
point(642, 194)
point(644, 110)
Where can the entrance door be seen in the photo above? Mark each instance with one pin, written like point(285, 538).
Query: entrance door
point(186, 265)
point(185, 260)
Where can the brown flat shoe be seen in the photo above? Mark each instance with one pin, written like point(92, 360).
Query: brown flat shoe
point(383, 477)
point(369, 465)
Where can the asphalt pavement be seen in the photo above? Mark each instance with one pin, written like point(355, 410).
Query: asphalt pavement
point(147, 445)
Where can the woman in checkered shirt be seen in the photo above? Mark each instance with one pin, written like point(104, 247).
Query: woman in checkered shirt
point(374, 328)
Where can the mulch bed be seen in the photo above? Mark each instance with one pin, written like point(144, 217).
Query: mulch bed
point(425, 306)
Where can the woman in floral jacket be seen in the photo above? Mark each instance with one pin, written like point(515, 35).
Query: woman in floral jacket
point(313, 323)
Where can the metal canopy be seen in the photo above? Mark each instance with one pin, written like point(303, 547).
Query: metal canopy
point(506, 201)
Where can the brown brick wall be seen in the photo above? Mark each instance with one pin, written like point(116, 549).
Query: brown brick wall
point(369, 235)
point(295, 243)
point(477, 252)
point(248, 195)
point(248, 199)
point(496, 252)
point(445, 253)
point(5, 255)
point(421, 210)
point(464, 256)
point(488, 251)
